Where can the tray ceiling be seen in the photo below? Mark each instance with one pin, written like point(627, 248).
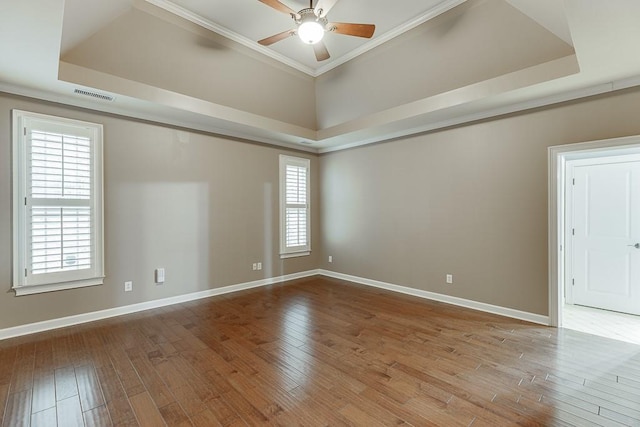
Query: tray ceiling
point(246, 21)
point(487, 65)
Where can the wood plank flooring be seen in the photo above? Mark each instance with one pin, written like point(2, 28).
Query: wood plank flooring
point(317, 352)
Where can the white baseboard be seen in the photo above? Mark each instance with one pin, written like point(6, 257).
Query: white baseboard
point(480, 306)
point(62, 322)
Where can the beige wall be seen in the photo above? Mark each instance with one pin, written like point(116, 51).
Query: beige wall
point(469, 201)
point(205, 209)
point(476, 41)
point(159, 49)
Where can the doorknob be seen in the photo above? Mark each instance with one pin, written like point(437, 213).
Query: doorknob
point(637, 245)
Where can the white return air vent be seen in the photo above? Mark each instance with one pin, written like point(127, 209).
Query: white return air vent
point(96, 95)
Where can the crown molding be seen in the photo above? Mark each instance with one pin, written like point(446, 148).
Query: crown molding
point(225, 32)
point(489, 113)
point(391, 34)
point(180, 11)
point(139, 110)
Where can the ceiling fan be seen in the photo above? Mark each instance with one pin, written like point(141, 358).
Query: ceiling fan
point(312, 23)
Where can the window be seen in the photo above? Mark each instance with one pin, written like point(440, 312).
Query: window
point(294, 207)
point(57, 203)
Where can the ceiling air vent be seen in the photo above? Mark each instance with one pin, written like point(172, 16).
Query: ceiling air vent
point(96, 95)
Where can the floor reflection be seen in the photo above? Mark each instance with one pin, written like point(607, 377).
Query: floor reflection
point(296, 329)
point(604, 323)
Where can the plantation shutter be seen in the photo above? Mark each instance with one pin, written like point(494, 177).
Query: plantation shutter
point(58, 216)
point(295, 215)
point(60, 209)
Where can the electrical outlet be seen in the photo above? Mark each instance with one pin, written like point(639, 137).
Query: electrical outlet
point(255, 266)
point(128, 286)
point(449, 278)
point(330, 258)
point(259, 266)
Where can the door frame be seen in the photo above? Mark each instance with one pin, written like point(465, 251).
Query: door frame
point(558, 156)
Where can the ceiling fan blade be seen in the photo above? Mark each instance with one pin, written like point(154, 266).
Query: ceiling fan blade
point(277, 37)
point(348, 29)
point(323, 7)
point(320, 49)
point(280, 7)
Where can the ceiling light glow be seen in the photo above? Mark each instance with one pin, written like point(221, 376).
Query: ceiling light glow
point(310, 31)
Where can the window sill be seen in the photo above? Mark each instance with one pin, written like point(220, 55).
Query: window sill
point(39, 289)
point(295, 254)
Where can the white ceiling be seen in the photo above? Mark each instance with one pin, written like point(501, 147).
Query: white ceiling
point(85, 17)
point(548, 13)
point(250, 21)
point(247, 21)
point(605, 35)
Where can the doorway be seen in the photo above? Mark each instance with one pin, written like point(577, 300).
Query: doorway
point(577, 226)
point(602, 232)
point(605, 323)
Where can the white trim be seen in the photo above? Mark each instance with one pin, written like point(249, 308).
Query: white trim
point(62, 322)
point(232, 35)
point(481, 114)
point(565, 268)
point(295, 254)
point(300, 162)
point(435, 11)
point(278, 140)
point(24, 282)
point(190, 16)
point(19, 189)
point(461, 302)
point(51, 287)
point(557, 157)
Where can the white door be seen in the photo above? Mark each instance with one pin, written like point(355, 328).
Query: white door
point(604, 233)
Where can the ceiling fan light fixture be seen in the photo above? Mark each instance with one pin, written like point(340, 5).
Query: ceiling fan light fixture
point(312, 23)
point(310, 26)
point(310, 31)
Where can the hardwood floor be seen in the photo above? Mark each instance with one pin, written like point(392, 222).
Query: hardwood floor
point(317, 351)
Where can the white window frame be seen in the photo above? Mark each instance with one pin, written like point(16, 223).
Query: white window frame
point(25, 283)
point(295, 251)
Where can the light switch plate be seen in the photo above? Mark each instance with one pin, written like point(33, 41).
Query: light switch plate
point(159, 275)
